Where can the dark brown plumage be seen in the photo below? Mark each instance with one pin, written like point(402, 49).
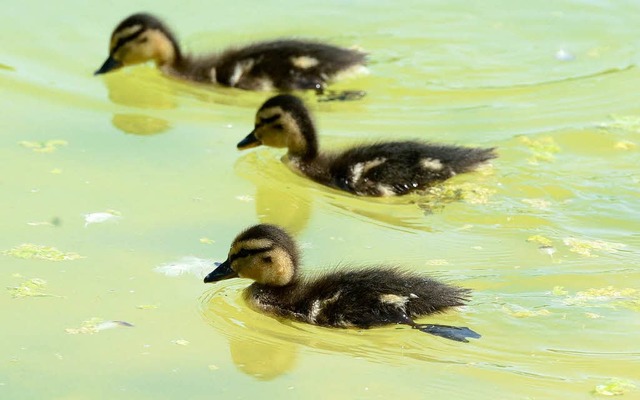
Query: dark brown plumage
point(362, 298)
point(379, 169)
point(284, 65)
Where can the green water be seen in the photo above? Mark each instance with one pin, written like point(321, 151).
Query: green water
point(553, 85)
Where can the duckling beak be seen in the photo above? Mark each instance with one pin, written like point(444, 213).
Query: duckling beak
point(250, 141)
point(222, 272)
point(109, 65)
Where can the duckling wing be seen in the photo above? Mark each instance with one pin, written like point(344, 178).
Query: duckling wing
point(377, 296)
point(284, 65)
point(395, 168)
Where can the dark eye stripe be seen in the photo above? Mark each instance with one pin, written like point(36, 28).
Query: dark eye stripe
point(122, 41)
point(270, 119)
point(249, 252)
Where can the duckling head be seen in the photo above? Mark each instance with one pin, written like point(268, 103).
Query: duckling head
point(283, 121)
point(264, 253)
point(138, 39)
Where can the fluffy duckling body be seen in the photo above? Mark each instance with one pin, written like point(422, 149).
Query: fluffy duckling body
point(361, 298)
point(380, 169)
point(282, 65)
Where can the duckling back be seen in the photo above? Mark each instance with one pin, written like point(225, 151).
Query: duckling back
point(396, 168)
point(286, 65)
point(376, 296)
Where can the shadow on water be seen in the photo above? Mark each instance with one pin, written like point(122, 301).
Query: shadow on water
point(287, 199)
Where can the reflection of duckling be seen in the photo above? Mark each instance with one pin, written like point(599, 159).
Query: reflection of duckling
point(381, 169)
point(362, 298)
point(281, 65)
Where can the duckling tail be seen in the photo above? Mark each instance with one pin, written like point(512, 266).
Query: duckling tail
point(457, 333)
point(467, 159)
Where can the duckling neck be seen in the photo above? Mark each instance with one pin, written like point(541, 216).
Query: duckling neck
point(304, 145)
point(167, 51)
point(269, 295)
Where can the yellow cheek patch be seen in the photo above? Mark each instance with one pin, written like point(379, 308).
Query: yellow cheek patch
point(294, 139)
point(280, 271)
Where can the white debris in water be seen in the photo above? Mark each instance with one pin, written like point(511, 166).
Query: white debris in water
point(564, 55)
point(548, 250)
point(111, 324)
point(100, 217)
point(246, 198)
point(199, 267)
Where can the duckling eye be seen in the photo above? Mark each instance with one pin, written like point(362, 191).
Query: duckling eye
point(143, 40)
point(267, 259)
point(278, 127)
point(270, 119)
point(248, 252)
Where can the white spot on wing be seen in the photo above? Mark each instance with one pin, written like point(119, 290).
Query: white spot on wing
point(385, 190)
point(432, 163)
point(315, 310)
point(318, 305)
point(265, 84)
point(240, 69)
point(356, 172)
point(394, 299)
point(304, 62)
point(359, 169)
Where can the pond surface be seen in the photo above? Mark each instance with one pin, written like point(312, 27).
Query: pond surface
point(118, 183)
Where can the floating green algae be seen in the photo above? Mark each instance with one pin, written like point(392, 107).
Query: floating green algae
point(523, 312)
point(625, 145)
point(629, 123)
point(437, 197)
point(586, 247)
point(34, 287)
point(614, 387)
point(539, 239)
point(48, 146)
point(542, 149)
point(609, 296)
point(540, 204)
point(28, 251)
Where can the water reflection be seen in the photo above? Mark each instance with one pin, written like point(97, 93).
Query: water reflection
point(145, 88)
point(140, 91)
point(281, 207)
point(264, 347)
point(140, 124)
point(277, 199)
point(286, 199)
point(128, 89)
point(263, 360)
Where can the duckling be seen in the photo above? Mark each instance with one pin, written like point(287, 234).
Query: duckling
point(380, 169)
point(359, 298)
point(282, 65)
